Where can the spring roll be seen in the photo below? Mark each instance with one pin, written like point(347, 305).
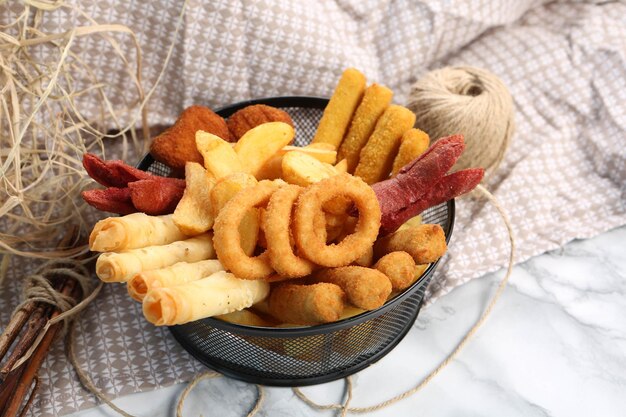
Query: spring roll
point(180, 273)
point(425, 243)
point(218, 294)
point(365, 288)
point(306, 304)
point(121, 267)
point(137, 230)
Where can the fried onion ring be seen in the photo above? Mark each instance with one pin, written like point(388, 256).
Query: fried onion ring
point(277, 221)
point(227, 240)
point(311, 202)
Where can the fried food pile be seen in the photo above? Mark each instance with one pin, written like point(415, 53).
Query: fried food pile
point(269, 234)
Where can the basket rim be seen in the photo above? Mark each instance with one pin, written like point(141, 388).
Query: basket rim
point(300, 331)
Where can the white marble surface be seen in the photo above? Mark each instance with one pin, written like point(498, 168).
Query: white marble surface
point(554, 346)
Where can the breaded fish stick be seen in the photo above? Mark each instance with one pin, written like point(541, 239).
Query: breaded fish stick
point(425, 243)
point(414, 142)
point(340, 108)
point(306, 304)
point(399, 267)
point(365, 288)
point(376, 158)
point(375, 100)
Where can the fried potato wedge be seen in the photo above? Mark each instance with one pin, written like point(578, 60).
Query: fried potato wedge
point(220, 159)
point(259, 144)
point(342, 166)
point(304, 170)
point(193, 214)
point(273, 167)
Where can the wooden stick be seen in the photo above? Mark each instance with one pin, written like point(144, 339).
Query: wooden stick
point(32, 366)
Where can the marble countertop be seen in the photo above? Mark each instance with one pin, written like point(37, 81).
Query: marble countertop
point(555, 345)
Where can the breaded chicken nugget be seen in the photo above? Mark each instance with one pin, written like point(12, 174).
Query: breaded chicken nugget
point(375, 100)
point(376, 158)
point(414, 142)
point(365, 288)
point(399, 267)
point(306, 304)
point(177, 144)
point(425, 243)
point(340, 108)
point(252, 116)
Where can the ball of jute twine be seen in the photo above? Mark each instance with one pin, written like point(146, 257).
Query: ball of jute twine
point(470, 101)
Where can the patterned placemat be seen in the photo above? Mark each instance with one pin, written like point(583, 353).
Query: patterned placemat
point(563, 178)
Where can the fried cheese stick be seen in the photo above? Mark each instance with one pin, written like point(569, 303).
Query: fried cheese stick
point(122, 266)
point(425, 243)
point(340, 108)
point(376, 158)
point(375, 100)
point(414, 142)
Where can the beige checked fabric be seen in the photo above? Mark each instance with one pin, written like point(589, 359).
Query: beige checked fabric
point(563, 177)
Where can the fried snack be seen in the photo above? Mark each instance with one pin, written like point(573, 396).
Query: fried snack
point(376, 157)
point(244, 317)
point(220, 293)
point(365, 288)
point(273, 167)
point(259, 144)
point(252, 116)
point(122, 266)
point(414, 142)
point(367, 259)
point(423, 183)
point(306, 304)
point(228, 240)
point(179, 273)
point(375, 100)
point(220, 159)
point(133, 231)
point(340, 108)
point(277, 222)
point(301, 169)
point(156, 196)
point(222, 192)
point(313, 246)
point(177, 144)
point(399, 267)
point(193, 214)
point(412, 222)
point(425, 243)
point(342, 166)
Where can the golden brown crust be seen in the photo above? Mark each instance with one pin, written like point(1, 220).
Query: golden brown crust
point(365, 288)
point(399, 267)
point(252, 116)
point(306, 304)
point(425, 243)
point(177, 145)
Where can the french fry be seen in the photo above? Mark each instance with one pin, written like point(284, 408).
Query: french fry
point(340, 108)
point(259, 144)
point(225, 189)
point(273, 167)
point(414, 142)
point(193, 214)
point(301, 169)
point(220, 159)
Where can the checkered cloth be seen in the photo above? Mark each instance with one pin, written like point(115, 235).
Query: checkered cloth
point(563, 176)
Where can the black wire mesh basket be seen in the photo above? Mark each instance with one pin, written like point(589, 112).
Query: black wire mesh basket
point(314, 354)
